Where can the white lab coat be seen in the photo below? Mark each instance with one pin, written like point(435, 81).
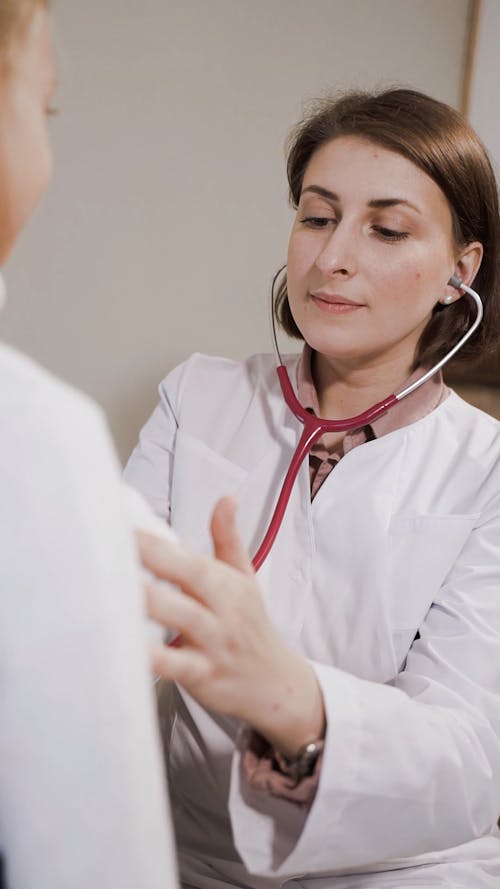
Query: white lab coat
point(82, 796)
point(403, 537)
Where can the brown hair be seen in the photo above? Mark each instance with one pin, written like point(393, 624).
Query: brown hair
point(437, 139)
point(14, 18)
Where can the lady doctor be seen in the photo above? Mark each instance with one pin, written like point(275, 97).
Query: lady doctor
point(335, 720)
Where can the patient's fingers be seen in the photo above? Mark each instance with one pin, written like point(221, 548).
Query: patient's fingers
point(228, 546)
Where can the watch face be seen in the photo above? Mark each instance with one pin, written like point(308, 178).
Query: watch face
point(309, 759)
point(303, 765)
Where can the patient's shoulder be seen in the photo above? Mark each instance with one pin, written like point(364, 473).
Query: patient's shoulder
point(38, 410)
point(27, 384)
point(27, 389)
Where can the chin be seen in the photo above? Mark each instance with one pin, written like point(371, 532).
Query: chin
point(338, 347)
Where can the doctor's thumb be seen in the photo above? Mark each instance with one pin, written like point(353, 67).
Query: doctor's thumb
point(228, 546)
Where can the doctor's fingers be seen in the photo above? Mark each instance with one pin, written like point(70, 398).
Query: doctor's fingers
point(183, 665)
point(228, 546)
point(212, 582)
point(172, 562)
point(176, 611)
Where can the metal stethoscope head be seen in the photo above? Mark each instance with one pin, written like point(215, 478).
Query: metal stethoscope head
point(314, 426)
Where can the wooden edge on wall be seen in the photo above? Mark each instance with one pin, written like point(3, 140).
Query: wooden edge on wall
point(480, 382)
point(473, 19)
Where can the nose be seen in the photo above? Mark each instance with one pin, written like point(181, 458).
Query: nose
point(336, 255)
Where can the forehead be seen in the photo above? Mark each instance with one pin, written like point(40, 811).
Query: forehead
point(351, 166)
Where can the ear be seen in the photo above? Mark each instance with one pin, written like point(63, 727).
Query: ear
point(466, 268)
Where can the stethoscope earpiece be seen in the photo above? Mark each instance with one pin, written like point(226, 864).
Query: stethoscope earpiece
point(315, 426)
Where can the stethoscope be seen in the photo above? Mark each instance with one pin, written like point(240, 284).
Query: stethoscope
point(314, 426)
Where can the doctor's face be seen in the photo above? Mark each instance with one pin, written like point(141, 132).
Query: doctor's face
point(370, 254)
point(27, 82)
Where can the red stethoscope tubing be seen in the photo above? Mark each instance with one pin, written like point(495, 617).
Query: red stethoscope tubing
point(314, 427)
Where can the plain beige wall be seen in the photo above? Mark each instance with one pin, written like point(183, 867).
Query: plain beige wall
point(168, 214)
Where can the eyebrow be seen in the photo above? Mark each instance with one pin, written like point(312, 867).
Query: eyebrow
point(392, 202)
point(376, 203)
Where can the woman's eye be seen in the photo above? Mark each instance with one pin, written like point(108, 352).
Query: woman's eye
point(390, 234)
point(318, 221)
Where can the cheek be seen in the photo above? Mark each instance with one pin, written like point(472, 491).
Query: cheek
point(422, 286)
point(430, 266)
point(25, 171)
point(42, 165)
point(426, 283)
point(293, 251)
point(293, 267)
point(300, 259)
point(415, 283)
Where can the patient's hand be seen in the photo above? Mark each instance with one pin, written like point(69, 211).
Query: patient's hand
point(231, 659)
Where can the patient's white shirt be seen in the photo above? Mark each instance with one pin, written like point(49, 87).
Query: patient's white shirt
point(82, 794)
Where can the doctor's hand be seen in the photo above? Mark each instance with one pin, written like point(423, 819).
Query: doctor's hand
point(231, 659)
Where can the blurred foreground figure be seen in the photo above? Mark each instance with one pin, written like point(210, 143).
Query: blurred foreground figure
point(82, 802)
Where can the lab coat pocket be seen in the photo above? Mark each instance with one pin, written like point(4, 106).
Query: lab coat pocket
point(423, 549)
point(200, 477)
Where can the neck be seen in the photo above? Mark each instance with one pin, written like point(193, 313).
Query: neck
point(345, 390)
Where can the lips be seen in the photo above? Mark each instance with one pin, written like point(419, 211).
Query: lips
point(333, 298)
point(334, 302)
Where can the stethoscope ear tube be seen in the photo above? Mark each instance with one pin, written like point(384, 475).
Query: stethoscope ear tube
point(314, 427)
point(456, 282)
point(272, 316)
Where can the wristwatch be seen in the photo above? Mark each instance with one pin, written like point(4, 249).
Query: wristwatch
point(302, 765)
